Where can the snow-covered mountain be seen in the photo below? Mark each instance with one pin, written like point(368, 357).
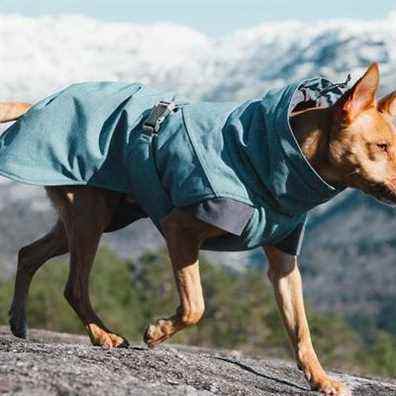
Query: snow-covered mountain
point(40, 55)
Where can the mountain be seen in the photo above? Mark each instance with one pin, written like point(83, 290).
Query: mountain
point(349, 253)
point(40, 55)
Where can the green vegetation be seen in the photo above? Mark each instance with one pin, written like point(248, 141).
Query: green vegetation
point(240, 311)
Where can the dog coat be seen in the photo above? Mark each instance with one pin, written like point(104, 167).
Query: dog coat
point(92, 134)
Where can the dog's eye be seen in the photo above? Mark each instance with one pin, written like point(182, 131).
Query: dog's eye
point(383, 146)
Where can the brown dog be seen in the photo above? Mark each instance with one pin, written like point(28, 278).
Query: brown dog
point(352, 143)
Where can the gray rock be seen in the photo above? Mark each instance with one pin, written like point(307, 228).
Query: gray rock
point(66, 365)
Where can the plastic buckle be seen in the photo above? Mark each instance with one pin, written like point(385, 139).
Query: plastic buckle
point(157, 116)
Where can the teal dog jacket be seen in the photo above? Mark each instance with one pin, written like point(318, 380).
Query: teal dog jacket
point(92, 134)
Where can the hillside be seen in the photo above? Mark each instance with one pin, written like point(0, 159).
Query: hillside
point(60, 364)
point(349, 257)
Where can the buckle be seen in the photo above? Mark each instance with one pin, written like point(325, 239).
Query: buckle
point(158, 114)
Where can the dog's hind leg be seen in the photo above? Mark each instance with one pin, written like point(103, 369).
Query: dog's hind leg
point(86, 213)
point(30, 259)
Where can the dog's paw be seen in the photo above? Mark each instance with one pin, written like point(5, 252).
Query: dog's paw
point(113, 341)
point(331, 387)
point(109, 341)
point(105, 339)
point(18, 324)
point(158, 332)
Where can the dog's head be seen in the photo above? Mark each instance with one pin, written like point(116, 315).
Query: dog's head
point(362, 144)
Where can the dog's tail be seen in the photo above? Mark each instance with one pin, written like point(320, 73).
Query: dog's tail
point(11, 111)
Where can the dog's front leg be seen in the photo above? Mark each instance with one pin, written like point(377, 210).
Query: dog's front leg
point(184, 235)
point(285, 276)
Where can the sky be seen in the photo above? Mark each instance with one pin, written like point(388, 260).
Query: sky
point(213, 17)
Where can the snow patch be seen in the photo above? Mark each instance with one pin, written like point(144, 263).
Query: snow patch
point(41, 55)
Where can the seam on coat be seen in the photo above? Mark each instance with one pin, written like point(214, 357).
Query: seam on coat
point(199, 158)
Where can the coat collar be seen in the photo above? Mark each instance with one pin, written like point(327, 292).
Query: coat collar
point(279, 105)
point(285, 173)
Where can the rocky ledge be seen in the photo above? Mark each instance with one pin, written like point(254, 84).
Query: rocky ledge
point(65, 365)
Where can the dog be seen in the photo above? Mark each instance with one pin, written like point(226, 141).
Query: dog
point(350, 143)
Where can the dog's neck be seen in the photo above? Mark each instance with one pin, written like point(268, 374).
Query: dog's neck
point(312, 129)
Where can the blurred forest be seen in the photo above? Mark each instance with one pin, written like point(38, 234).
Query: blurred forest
point(240, 313)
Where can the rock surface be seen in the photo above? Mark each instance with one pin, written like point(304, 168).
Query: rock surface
point(60, 364)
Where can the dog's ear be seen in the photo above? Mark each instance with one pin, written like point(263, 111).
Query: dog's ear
point(362, 95)
point(387, 104)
